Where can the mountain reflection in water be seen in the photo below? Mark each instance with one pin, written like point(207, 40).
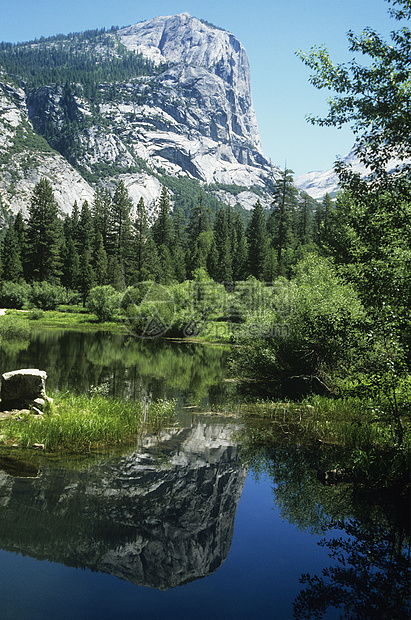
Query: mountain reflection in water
point(157, 519)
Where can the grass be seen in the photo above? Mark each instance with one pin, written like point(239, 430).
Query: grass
point(79, 423)
point(375, 456)
point(351, 422)
point(14, 327)
point(65, 317)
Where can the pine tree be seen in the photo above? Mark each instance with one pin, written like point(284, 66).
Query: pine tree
point(280, 220)
point(71, 265)
point(258, 246)
point(163, 226)
point(180, 244)
point(167, 272)
point(120, 227)
point(100, 262)
point(304, 221)
point(241, 250)
point(11, 257)
point(141, 232)
point(72, 226)
point(200, 237)
point(86, 275)
point(44, 234)
point(327, 205)
point(85, 227)
point(223, 271)
point(150, 269)
point(100, 211)
point(115, 273)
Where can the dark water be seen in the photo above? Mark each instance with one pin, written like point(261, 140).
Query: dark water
point(195, 523)
point(129, 366)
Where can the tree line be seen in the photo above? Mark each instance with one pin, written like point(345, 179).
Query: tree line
point(103, 243)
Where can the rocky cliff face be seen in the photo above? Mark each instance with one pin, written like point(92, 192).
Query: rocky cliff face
point(25, 158)
point(154, 522)
point(191, 116)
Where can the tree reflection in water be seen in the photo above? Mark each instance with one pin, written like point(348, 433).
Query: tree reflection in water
point(130, 366)
point(370, 576)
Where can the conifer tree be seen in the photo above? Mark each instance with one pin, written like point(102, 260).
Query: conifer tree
point(115, 273)
point(200, 237)
point(120, 227)
point(71, 265)
point(222, 270)
point(241, 250)
point(44, 234)
point(86, 275)
point(100, 262)
point(304, 221)
point(180, 244)
point(12, 268)
point(163, 226)
point(85, 226)
point(100, 211)
point(258, 245)
point(141, 231)
point(150, 269)
point(72, 226)
point(280, 219)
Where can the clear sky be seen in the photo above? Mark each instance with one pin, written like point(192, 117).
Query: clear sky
point(271, 32)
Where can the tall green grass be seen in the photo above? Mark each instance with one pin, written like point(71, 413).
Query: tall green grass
point(352, 422)
point(78, 422)
point(14, 327)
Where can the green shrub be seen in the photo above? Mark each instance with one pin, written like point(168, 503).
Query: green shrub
point(47, 296)
point(36, 314)
point(104, 302)
point(314, 326)
point(13, 295)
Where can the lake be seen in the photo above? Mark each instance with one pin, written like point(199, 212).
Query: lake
point(194, 522)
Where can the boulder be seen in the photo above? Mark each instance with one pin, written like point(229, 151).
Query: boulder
point(21, 387)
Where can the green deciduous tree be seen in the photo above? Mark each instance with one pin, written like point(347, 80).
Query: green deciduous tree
point(373, 98)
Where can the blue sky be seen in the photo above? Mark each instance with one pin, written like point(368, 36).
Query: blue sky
point(270, 30)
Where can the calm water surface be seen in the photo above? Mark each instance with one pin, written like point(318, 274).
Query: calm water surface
point(190, 524)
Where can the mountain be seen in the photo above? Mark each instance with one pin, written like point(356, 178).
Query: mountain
point(317, 184)
point(163, 99)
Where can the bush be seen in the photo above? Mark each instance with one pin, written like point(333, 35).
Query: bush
point(103, 301)
point(315, 327)
point(14, 295)
point(47, 296)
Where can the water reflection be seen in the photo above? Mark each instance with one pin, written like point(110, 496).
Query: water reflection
point(369, 577)
point(155, 517)
point(165, 369)
point(366, 533)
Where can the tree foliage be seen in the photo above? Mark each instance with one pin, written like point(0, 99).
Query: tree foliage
point(373, 98)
